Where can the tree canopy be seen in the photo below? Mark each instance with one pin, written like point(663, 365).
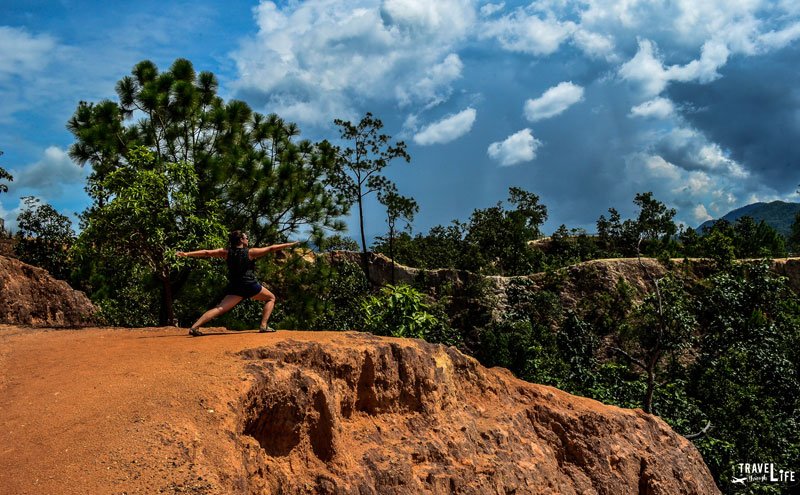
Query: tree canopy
point(265, 180)
point(44, 237)
point(171, 148)
point(151, 214)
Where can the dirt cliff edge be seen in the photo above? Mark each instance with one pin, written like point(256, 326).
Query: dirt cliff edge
point(31, 296)
point(403, 417)
point(155, 411)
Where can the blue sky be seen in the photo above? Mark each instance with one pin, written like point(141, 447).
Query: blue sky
point(584, 103)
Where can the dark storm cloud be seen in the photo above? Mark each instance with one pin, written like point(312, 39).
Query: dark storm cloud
point(753, 111)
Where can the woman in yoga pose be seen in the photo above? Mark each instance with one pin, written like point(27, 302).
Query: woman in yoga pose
point(242, 282)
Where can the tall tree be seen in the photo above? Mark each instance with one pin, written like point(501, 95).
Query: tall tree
point(794, 238)
point(661, 326)
point(655, 220)
point(397, 207)
point(360, 163)
point(250, 167)
point(499, 237)
point(151, 213)
point(753, 240)
point(610, 232)
point(266, 181)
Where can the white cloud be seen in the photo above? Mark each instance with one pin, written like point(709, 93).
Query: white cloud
point(700, 214)
point(658, 168)
point(713, 55)
point(553, 102)
point(449, 18)
point(448, 129)
point(528, 33)
point(595, 45)
point(688, 22)
point(611, 13)
point(491, 8)
point(722, 204)
point(316, 110)
point(50, 175)
point(26, 77)
point(517, 148)
point(308, 54)
point(691, 150)
point(713, 158)
point(647, 71)
point(659, 108)
point(9, 217)
point(23, 52)
point(434, 87)
point(780, 38)
point(696, 184)
point(331, 54)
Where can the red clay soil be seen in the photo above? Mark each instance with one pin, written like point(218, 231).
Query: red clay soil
point(146, 411)
point(29, 295)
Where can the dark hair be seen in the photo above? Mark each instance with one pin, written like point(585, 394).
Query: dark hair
point(235, 238)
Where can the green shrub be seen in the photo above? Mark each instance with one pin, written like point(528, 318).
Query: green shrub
point(400, 311)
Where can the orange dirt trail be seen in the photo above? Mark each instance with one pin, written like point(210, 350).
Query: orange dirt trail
point(105, 410)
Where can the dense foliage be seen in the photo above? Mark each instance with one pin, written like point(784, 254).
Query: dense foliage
point(495, 241)
point(44, 237)
point(248, 172)
point(722, 351)
point(151, 212)
point(779, 215)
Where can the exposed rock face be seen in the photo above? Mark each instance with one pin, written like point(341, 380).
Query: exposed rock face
point(379, 416)
point(7, 247)
point(30, 296)
point(789, 268)
point(578, 280)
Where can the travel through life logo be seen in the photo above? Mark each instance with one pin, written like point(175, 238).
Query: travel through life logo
point(746, 473)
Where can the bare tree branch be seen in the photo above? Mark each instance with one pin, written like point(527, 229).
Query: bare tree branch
point(630, 358)
point(700, 433)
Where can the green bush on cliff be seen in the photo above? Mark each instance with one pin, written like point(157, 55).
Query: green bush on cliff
point(402, 311)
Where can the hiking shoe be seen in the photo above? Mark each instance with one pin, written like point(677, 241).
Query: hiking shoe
point(195, 332)
point(266, 330)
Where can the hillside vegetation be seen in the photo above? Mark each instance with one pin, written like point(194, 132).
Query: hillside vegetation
point(780, 215)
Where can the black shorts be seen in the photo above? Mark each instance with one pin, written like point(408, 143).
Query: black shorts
point(243, 289)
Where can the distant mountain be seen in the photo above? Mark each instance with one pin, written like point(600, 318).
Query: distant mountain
point(777, 214)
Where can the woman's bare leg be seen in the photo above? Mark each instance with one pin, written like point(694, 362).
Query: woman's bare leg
point(269, 297)
point(224, 306)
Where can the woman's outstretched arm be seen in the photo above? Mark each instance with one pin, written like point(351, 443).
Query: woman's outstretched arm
point(261, 251)
point(204, 253)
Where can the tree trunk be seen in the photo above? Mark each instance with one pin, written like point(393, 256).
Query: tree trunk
point(391, 252)
point(364, 259)
point(651, 383)
point(167, 313)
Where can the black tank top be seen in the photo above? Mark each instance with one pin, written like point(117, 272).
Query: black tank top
point(240, 267)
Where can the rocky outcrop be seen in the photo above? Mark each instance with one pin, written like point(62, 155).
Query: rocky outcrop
point(370, 415)
point(31, 296)
point(789, 268)
point(7, 246)
point(574, 282)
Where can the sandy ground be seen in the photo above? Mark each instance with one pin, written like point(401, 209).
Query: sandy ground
point(122, 411)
